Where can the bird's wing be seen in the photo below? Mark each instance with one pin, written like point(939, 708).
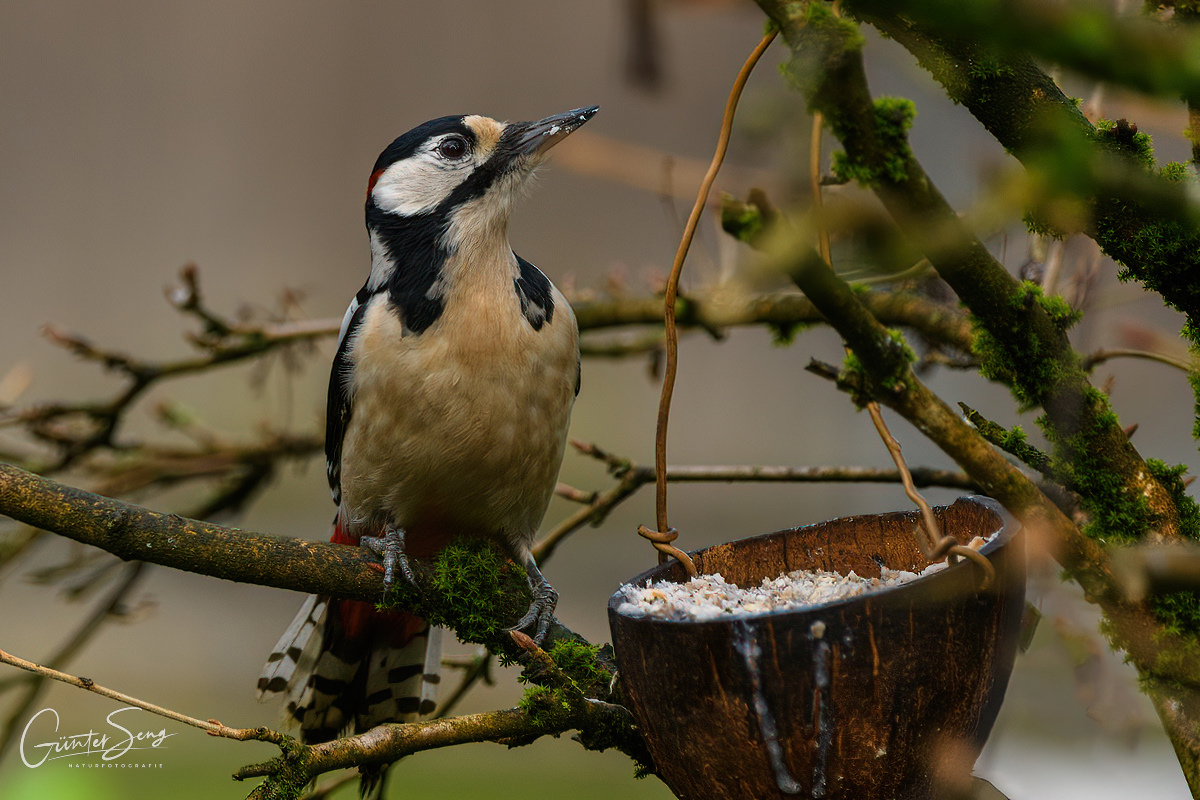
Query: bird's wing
point(535, 294)
point(337, 411)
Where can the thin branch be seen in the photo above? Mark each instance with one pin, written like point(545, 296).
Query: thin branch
point(67, 651)
point(593, 513)
point(1100, 356)
point(387, 743)
point(135, 533)
point(211, 726)
point(641, 167)
point(633, 477)
point(1145, 571)
point(568, 492)
point(921, 476)
point(622, 347)
point(814, 178)
point(480, 669)
point(716, 310)
point(1013, 445)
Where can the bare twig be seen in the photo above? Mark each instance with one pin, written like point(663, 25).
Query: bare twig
point(1092, 360)
point(594, 512)
point(212, 726)
point(814, 178)
point(148, 466)
point(622, 347)
point(1145, 571)
point(716, 310)
point(480, 669)
point(387, 743)
point(326, 790)
point(67, 651)
point(568, 492)
point(1054, 262)
point(641, 167)
point(634, 476)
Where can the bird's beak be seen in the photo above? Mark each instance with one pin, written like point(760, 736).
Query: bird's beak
point(535, 138)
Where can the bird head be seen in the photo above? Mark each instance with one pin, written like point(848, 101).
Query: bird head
point(464, 171)
point(439, 198)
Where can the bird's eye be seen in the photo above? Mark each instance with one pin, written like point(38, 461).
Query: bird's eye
point(452, 147)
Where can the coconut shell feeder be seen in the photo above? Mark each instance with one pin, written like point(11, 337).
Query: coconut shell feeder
point(881, 695)
point(887, 695)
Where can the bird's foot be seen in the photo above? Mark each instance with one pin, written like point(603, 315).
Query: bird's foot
point(540, 613)
point(390, 548)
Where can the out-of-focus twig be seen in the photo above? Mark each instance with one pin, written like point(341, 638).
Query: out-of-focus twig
point(1092, 360)
point(643, 59)
point(641, 167)
point(79, 428)
point(326, 790)
point(480, 669)
point(1146, 571)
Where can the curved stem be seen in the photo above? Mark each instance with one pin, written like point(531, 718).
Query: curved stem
point(672, 341)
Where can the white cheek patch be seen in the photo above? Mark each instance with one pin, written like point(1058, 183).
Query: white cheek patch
point(418, 184)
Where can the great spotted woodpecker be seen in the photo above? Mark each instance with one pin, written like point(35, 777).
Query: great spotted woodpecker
point(456, 369)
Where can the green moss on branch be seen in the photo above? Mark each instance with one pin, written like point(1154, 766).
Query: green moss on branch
point(893, 119)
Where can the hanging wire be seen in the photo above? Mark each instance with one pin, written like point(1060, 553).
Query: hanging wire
point(663, 537)
point(930, 541)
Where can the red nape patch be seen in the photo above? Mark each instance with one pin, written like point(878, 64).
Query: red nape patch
point(372, 181)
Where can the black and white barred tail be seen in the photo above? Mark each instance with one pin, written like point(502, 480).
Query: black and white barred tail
point(343, 666)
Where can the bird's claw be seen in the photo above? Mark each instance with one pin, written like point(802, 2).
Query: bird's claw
point(541, 613)
point(390, 548)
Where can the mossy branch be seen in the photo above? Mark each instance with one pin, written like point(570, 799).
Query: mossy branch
point(1020, 335)
point(1129, 50)
point(135, 533)
point(289, 773)
point(1012, 442)
point(470, 587)
point(715, 310)
point(1143, 227)
point(1021, 339)
point(1163, 657)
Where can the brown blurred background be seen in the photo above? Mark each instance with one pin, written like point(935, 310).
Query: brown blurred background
point(139, 136)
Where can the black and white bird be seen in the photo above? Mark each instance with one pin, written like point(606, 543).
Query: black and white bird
point(456, 369)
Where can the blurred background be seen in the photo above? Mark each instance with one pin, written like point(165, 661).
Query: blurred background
point(141, 136)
